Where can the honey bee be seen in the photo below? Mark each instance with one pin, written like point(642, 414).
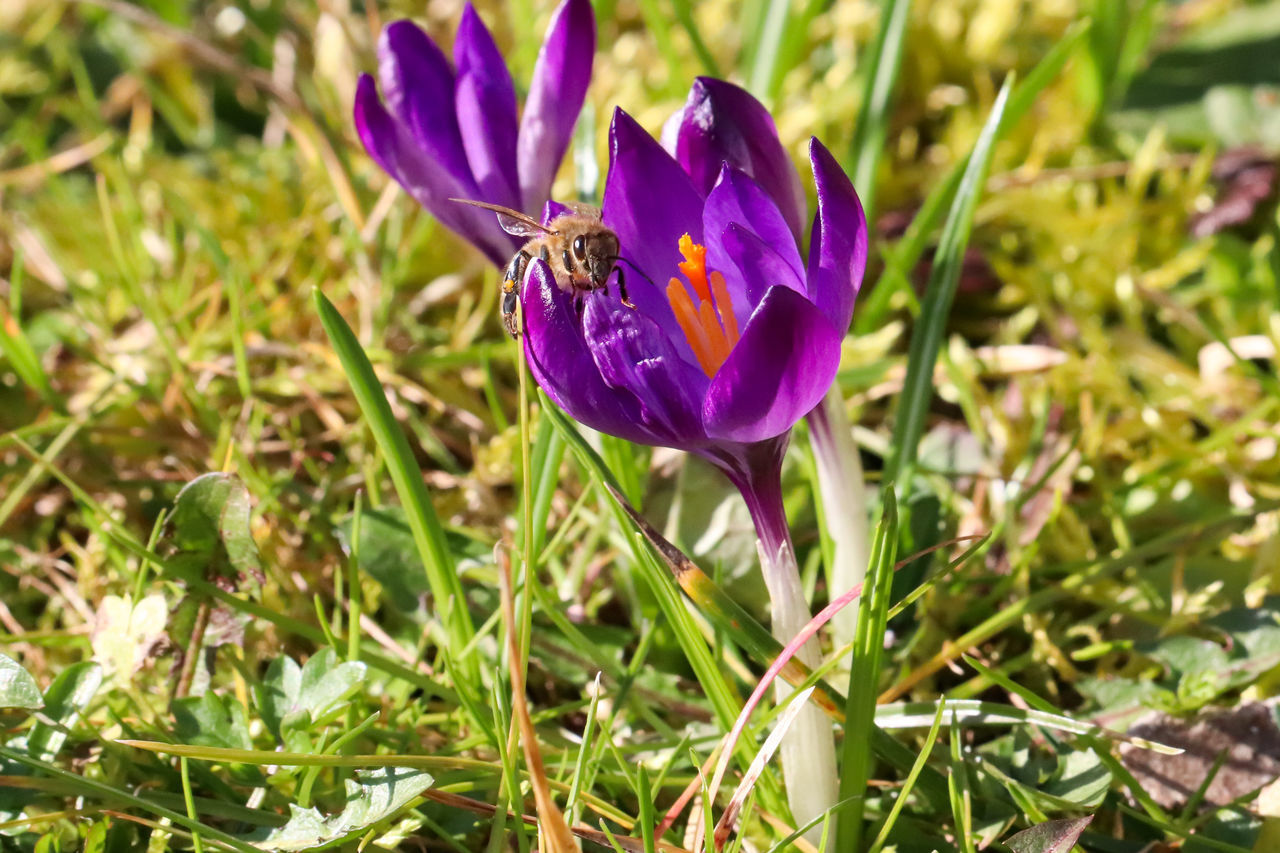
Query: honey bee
point(580, 249)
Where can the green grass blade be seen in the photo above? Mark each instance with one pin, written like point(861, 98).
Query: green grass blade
point(684, 14)
point(961, 796)
point(428, 534)
point(14, 343)
point(926, 337)
point(974, 712)
point(547, 453)
point(883, 835)
point(658, 21)
point(774, 24)
point(884, 62)
point(864, 675)
point(90, 788)
point(430, 763)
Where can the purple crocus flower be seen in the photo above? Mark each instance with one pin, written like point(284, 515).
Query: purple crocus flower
point(451, 130)
point(734, 336)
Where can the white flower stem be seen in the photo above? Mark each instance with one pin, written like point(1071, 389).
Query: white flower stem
point(808, 751)
point(844, 505)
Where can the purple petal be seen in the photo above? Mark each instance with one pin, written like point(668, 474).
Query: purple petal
point(751, 266)
point(633, 353)
point(394, 148)
point(418, 83)
point(779, 370)
point(650, 203)
point(723, 123)
point(551, 209)
point(838, 246)
point(562, 365)
point(556, 93)
point(486, 104)
point(738, 199)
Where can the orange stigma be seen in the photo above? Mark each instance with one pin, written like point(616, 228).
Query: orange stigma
point(703, 308)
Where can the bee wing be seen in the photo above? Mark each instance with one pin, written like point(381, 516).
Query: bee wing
point(512, 221)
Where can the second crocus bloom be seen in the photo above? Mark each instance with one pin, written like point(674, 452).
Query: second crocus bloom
point(455, 131)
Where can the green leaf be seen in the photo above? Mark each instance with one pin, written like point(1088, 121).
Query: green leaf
point(210, 528)
point(66, 697)
point(18, 690)
point(1081, 779)
point(278, 693)
point(1216, 85)
point(95, 840)
point(1054, 836)
point(209, 721)
point(1191, 656)
point(386, 551)
point(326, 682)
point(377, 795)
point(301, 696)
point(1256, 631)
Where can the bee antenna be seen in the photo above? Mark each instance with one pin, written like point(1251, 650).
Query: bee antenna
point(633, 266)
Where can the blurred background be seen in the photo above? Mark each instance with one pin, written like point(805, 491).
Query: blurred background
point(177, 177)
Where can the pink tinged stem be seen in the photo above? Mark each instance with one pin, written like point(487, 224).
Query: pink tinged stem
point(808, 751)
point(844, 504)
point(792, 649)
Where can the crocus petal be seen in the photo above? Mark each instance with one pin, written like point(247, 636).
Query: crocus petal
point(751, 266)
point(838, 246)
point(721, 123)
point(552, 208)
point(779, 370)
point(649, 202)
point(418, 82)
point(736, 198)
point(556, 94)
point(391, 144)
point(563, 366)
point(633, 353)
point(486, 103)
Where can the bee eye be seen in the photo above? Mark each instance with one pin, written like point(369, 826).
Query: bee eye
point(580, 247)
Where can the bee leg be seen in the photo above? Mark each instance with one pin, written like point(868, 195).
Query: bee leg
point(509, 300)
point(622, 290)
point(511, 281)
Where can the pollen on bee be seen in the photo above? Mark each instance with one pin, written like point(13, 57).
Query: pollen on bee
point(709, 323)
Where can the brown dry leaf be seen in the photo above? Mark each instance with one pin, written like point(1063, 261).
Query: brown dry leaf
point(551, 823)
point(1248, 735)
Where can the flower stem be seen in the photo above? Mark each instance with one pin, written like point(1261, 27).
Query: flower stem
point(808, 750)
point(844, 505)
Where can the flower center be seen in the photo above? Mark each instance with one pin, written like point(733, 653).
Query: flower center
point(703, 308)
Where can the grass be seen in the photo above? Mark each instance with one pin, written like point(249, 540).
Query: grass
point(201, 273)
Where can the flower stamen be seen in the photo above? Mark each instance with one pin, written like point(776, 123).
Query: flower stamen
point(709, 324)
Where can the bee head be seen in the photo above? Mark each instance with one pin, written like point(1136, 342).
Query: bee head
point(601, 253)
